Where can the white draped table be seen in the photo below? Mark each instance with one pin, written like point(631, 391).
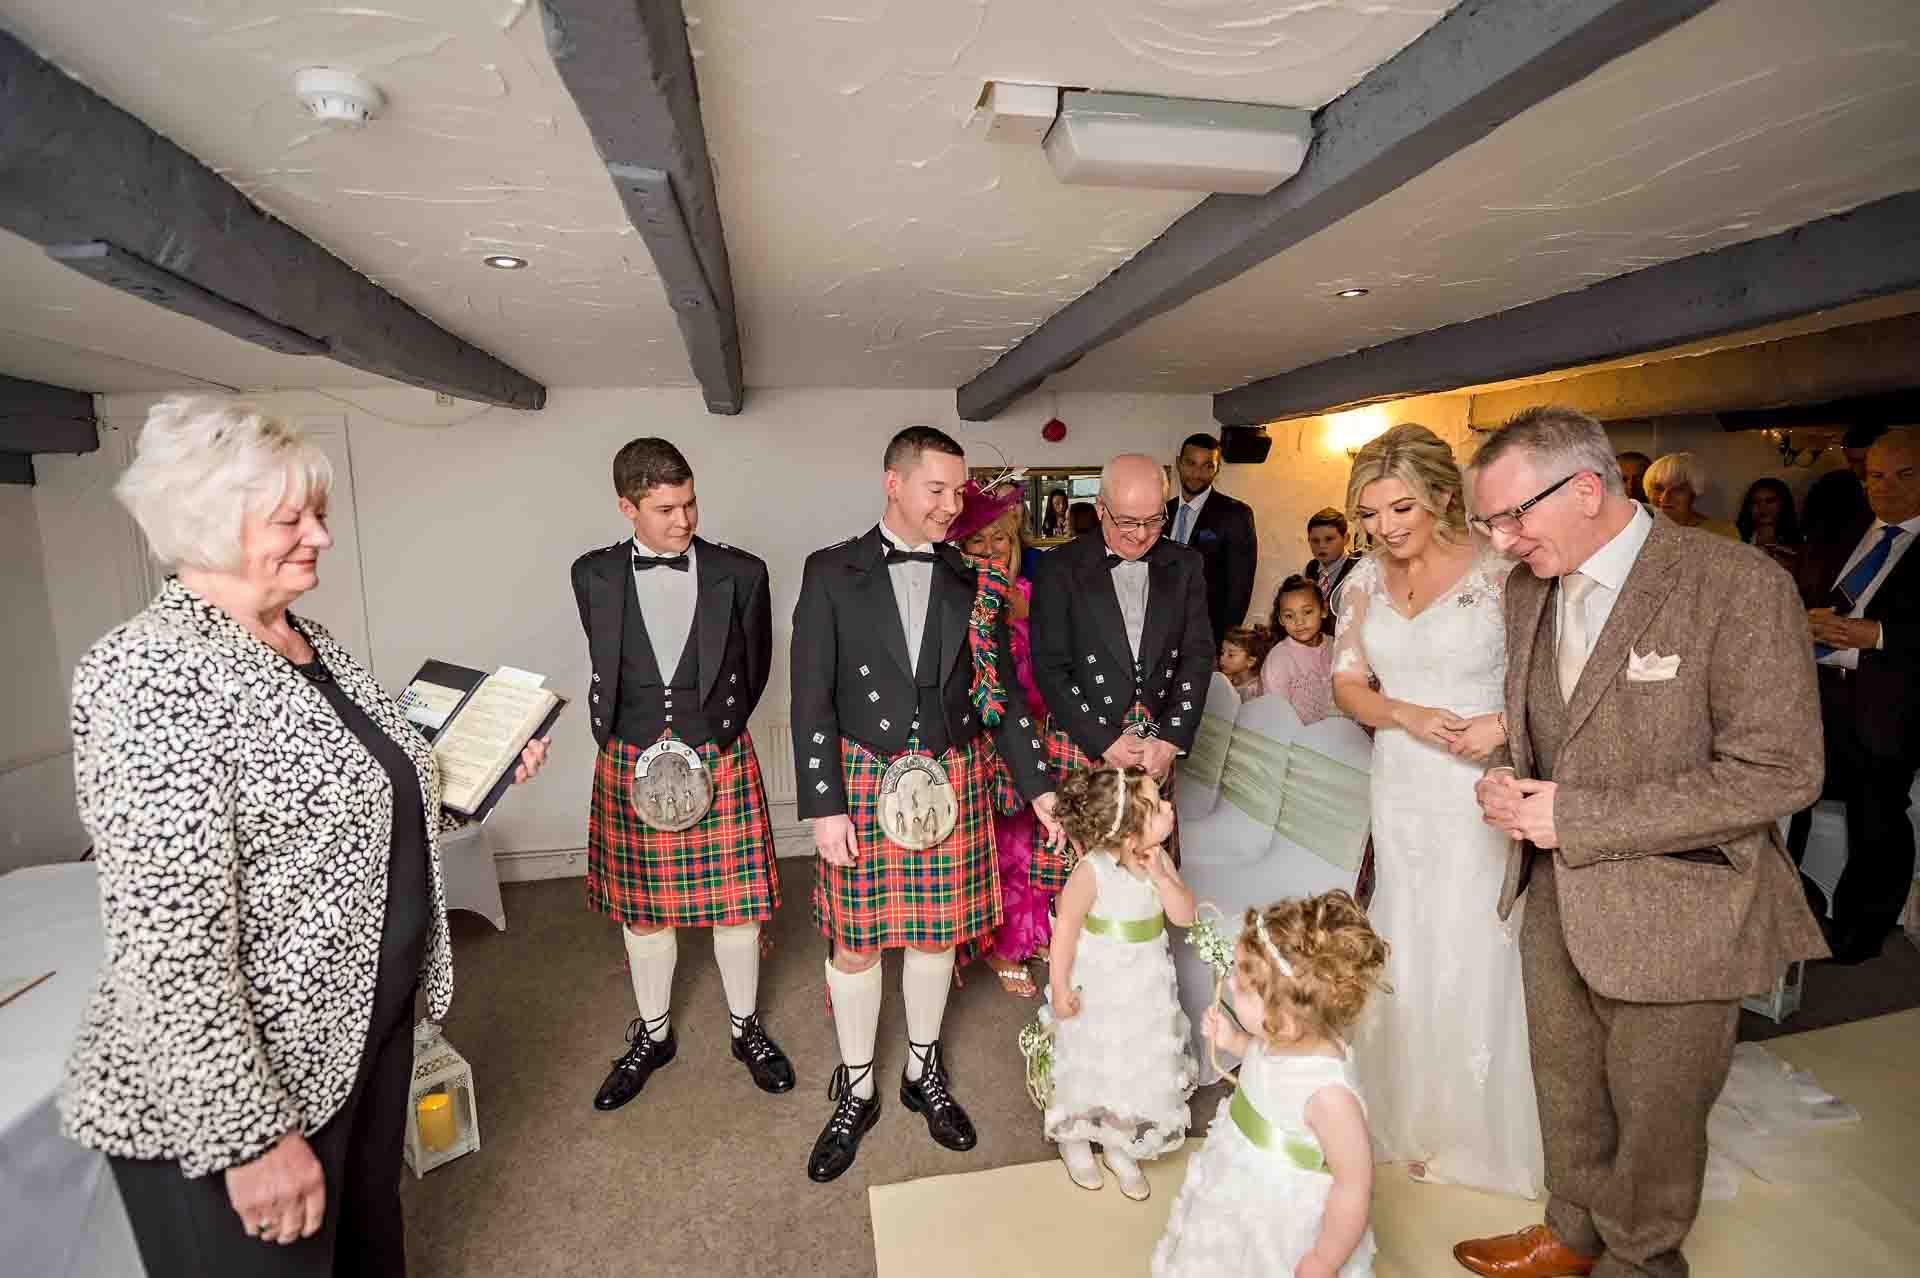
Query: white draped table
point(62, 1215)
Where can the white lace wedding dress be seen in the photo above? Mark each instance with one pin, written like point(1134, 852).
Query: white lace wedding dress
point(1443, 1057)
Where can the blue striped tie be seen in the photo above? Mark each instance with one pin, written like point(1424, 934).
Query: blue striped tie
point(1180, 525)
point(1855, 583)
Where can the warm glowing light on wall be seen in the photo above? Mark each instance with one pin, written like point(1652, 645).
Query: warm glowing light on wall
point(1351, 430)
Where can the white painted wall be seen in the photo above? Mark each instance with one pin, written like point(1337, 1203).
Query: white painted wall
point(1307, 470)
point(467, 520)
point(37, 822)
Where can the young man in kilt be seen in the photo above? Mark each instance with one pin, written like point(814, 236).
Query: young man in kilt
point(680, 633)
point(1122, 647)
point(884, 675)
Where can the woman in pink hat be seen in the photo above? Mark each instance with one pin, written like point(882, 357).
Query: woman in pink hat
point(988, 528)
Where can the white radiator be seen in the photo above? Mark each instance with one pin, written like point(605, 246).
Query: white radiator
point(773, 743)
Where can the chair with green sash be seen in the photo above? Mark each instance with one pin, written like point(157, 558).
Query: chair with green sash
point(1199, 790)
point(1292, 821)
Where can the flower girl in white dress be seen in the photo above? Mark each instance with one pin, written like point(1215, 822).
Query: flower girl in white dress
point(1281, 1186)
point(1123, 1065)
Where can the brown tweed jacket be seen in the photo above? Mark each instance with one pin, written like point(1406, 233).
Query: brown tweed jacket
point(1674, 885)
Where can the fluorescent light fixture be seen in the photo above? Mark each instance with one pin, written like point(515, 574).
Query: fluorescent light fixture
point(1351, 292)
point(504, 261)
point(1176, 144)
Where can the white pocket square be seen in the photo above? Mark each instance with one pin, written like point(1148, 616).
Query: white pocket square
point(1652, 668)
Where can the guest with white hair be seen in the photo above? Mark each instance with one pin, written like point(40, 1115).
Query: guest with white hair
point(264, 821)
point(1674, 483)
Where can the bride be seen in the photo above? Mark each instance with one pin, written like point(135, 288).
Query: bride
point(1442, 1059)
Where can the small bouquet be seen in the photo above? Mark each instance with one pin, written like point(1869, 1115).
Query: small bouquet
point(1036, 1044)
point(1216, 951)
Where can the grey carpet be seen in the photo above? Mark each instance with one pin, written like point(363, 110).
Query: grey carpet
point(703, 1174)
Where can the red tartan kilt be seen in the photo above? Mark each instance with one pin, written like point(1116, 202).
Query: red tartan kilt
point(719, 872)
point(893, 896)
point(1051, 868)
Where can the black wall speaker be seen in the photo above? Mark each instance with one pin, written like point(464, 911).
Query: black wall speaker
point(1245, 445)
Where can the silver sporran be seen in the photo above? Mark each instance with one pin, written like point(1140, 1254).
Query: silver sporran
point(672, 789)
point(918, 807)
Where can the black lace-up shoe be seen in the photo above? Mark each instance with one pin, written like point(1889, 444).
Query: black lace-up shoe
point(931, 1097)
point(769, 1066)
point(853, 1117)
point(634, 1066)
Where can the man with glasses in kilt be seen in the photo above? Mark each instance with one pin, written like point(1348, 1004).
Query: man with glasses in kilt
point(1122, 647)
point(680, 634)
point(896, 684)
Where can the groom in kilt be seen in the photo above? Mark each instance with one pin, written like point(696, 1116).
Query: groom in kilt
point(680, 633)
point(897, 681)
point(1122, 647)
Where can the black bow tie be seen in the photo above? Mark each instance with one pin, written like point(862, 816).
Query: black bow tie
point(1114, 561)
point(895, 555)
point(643, 562)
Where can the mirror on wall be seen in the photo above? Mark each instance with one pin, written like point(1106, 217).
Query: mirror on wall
point(1051, 494)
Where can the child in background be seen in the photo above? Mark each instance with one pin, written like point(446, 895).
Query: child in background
point(1282, 1183)
point(1301, 665)
point(1241, 652)
point(1122, 1060)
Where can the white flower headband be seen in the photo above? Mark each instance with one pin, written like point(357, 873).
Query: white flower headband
point(1119, 804)
point(1273, 951)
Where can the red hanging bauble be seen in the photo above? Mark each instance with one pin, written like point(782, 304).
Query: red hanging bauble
point(1054, 431)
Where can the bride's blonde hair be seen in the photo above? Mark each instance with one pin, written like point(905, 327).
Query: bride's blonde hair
point(1422, 461)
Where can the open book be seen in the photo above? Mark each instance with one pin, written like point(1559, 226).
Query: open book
point(478, 724)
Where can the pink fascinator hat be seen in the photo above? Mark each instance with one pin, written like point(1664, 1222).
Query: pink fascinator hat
point(983, 506)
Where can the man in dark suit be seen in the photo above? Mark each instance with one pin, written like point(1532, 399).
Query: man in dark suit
point(1328, 568)
point(891, 711)
point(1122, 652)
point(680, 634)
point(1867, 644)
point(1220, 528)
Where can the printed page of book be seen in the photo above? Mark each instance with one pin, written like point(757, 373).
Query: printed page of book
point(486, 737)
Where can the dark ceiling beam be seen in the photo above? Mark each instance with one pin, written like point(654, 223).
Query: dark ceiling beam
point(1475, 69)
point(16, 468)
point(1891, 408)
point(1814, 368)
point(75, 169)
point(1869, 252)
point(38, 418)
point(629, 68)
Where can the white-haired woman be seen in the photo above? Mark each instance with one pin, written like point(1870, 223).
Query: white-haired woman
point(1444, 1060)
point(264, 821)
point(1674, 483)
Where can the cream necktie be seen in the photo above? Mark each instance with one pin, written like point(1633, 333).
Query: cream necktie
point(1574, 645)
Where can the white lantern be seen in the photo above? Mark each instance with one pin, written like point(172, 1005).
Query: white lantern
point(443, 1118)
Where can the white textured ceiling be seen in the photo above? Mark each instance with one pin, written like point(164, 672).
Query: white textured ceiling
point(876, 239)
point(481, 150)
point(1752, 118)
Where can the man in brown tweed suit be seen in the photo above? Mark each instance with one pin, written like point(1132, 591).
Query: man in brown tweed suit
point(1661, 715)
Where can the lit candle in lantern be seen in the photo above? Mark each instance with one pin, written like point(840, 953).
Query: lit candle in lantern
point(435, 1113)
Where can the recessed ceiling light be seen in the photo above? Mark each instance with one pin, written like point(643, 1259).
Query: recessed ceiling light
point(504, 261)
point(1351, 292)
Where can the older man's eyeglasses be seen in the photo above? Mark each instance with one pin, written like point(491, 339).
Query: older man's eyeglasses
point(1152, 523)
point(1508, 521)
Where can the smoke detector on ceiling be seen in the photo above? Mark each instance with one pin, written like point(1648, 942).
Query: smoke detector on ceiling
point(338, 97)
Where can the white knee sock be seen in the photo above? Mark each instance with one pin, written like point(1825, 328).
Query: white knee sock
point(736, 949)
point(651, 958)
point(856, 1018)
point(925, 981)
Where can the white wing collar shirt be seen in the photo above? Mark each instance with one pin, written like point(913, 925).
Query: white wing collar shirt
point(1130, 588)
point(666, 600)
point(1849, 658)
point(912, 585)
